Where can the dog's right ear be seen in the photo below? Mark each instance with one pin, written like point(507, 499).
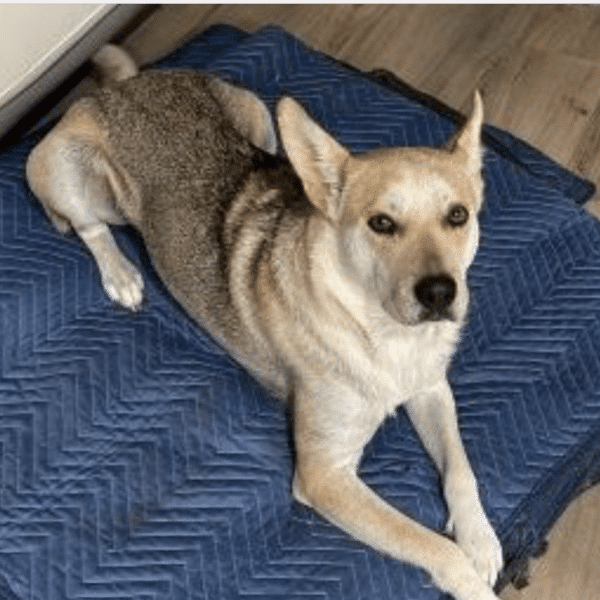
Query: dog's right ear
point(467, 143)
point(318, 159)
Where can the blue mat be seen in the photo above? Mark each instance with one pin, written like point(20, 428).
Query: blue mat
point(139, 462)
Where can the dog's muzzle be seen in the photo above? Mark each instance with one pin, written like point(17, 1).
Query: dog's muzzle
point(436, 293)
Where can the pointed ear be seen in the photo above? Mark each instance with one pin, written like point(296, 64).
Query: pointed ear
point(468, 141)
point(317, 158)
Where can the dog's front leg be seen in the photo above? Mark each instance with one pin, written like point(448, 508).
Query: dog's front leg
point(434, 416)
point(328, 447)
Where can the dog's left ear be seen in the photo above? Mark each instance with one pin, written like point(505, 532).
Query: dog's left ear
point(319, 160)
point(467, 144)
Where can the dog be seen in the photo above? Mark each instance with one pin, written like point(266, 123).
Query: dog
point(337, 279)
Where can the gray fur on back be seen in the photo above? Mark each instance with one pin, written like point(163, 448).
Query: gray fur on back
point(170, 135)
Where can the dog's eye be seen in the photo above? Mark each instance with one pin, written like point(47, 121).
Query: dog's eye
point(383, 224)
point(457, 216)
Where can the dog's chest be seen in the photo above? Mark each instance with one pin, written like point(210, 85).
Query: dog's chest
point(404, 366)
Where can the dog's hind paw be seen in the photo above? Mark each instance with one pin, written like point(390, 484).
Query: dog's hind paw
point(121, 280)
point(123, 283)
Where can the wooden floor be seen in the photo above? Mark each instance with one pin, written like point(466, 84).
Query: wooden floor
point(539, 70)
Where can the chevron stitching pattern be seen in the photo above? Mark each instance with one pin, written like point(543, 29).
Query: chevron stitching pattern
point(138, 461)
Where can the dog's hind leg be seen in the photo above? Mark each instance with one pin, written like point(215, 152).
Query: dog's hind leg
point(71, 177)
point(121, 280)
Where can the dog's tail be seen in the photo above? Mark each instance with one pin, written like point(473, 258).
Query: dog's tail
point(114, 64)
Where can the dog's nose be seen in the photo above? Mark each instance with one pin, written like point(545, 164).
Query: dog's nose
point(436, 292)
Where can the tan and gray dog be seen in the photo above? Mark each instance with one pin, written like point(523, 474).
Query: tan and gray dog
point(338, 280)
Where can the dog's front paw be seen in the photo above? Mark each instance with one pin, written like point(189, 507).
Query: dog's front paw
point(460, 579)
point(477, 539)
point(123, 282)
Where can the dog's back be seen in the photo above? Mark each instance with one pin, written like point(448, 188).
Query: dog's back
point(199, 179)
point(170, 153)
point(171, 135)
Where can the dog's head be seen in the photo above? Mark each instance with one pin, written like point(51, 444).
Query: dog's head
point(405, 219)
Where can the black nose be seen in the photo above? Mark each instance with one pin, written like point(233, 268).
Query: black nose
point(436, 292)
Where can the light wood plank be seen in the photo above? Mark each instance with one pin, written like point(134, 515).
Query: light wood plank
point(569, 569)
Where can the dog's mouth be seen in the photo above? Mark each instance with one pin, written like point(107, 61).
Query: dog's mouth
point(444, 314)
point(418, 316)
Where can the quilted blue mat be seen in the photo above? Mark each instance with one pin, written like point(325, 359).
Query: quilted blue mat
point(139, 462)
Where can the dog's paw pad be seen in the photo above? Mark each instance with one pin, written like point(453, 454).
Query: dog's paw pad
point(124, 284)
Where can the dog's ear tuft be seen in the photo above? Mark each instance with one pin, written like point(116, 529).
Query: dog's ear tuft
point(318, 159)
point(468, 140)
